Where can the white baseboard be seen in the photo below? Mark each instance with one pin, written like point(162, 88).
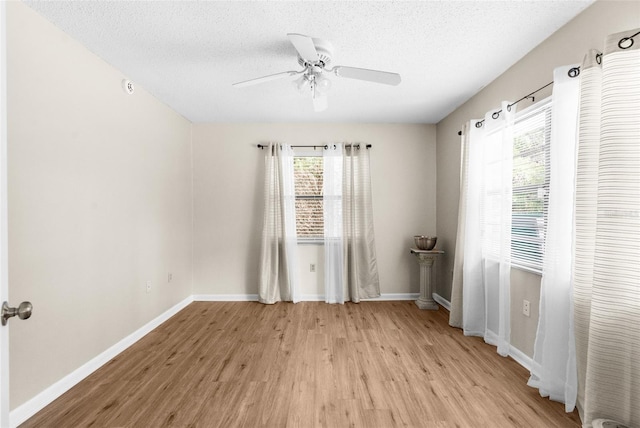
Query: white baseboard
point(397, 296)
point(517, 355)
point(442, 301)
point(520, 357)
point(225, 297)
point(305, 297)
point(37, 403)
point(383, 297)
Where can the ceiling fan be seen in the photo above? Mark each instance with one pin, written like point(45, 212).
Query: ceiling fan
point(315, 56)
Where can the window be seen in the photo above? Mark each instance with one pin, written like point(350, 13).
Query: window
point(531, 136)
point(307, 172)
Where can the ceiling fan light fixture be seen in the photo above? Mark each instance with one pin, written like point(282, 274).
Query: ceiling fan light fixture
point(302, 84)
point(323, 85)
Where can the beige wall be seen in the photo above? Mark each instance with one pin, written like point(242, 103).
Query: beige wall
point(99, 203)
point(568, 45)
point(228, 191)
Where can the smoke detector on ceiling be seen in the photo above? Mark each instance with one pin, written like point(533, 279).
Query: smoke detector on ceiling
point(127, 86)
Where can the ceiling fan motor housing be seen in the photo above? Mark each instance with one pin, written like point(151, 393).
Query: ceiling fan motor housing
point(325, 53)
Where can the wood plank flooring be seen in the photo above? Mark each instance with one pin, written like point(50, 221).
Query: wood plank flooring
point(244, 364)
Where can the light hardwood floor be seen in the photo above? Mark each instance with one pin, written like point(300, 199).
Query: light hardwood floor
point(373, 364)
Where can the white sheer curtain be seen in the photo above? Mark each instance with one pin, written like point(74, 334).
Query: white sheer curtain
point(486, 301)
point(360, 261)
point(333, 234)
point(553, 371)
point(607, 239)
point(278, 261)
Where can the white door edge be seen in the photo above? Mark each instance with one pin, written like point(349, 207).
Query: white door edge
point(4, 283)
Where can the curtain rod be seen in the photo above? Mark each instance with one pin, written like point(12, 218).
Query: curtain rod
point(573, 72)
point(496, 114)
point(326, 147)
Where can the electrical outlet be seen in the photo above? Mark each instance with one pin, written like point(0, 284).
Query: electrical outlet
point(312, 267)
point(169, 277)
point(526, 308)
point(148, 286)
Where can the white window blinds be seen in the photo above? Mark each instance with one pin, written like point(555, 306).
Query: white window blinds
point(531, 136)
point(309, 207)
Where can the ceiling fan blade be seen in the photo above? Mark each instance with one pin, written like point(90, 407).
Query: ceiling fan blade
point(305, 46)
point(265, 79)
point(376, 76)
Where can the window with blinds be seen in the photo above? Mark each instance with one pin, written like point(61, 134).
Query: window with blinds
point(307, 172)
point(530, 194)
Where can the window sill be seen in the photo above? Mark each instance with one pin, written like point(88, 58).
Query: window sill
point(310, 242)
point(517, 266)
point(527, 269)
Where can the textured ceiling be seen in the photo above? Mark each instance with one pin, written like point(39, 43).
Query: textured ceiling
point(189, 53)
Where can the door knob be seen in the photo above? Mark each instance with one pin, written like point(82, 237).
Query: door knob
point(23, 311)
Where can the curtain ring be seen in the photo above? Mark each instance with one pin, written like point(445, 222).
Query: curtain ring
point(627, 41)
point(599, 58)
point(509, 107)
point(496, 114)
point(574, 72)
point(479, 124)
